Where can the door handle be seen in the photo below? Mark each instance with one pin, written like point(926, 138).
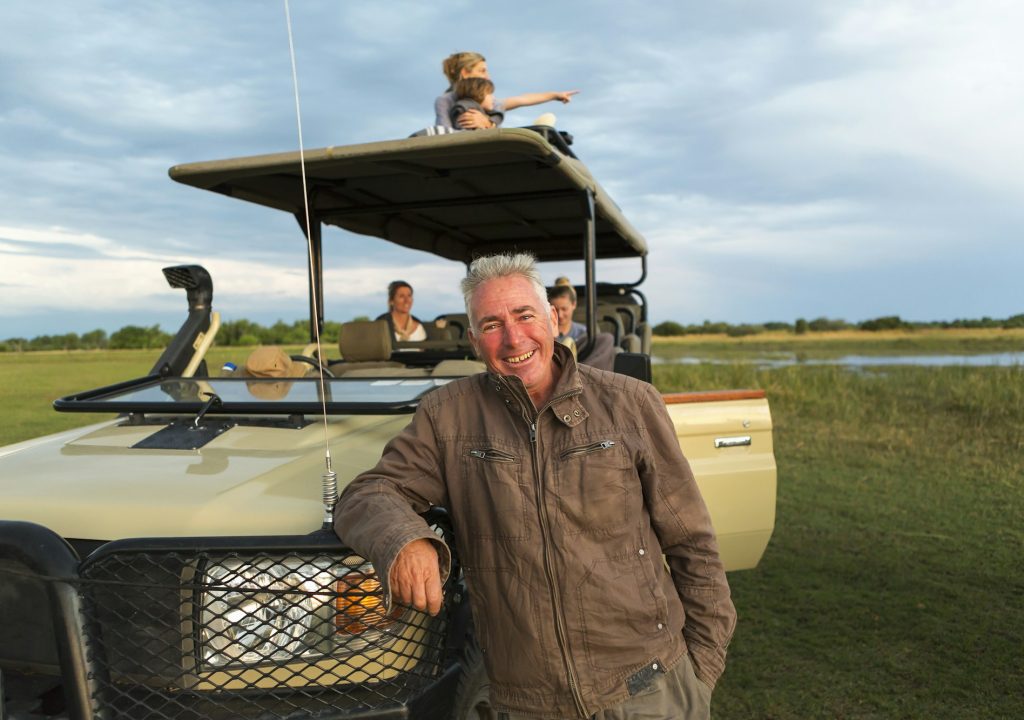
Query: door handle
point(735, 441)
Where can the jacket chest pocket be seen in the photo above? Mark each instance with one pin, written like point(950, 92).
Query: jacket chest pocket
point(493, 499)
point(596, 488)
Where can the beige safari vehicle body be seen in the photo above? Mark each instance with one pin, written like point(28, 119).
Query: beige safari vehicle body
point(174, 561)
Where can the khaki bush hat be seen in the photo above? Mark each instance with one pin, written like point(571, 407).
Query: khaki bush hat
point(269, 362)
point(267, 390)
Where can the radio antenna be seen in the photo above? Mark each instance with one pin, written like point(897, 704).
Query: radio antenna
point(329, 478)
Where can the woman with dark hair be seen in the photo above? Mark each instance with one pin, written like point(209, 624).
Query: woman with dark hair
point(406, 326)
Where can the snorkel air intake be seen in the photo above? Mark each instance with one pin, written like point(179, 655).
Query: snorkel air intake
point(198, 286)
point(197, 283)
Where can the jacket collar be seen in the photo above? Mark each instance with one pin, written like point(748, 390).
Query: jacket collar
point(564, 404)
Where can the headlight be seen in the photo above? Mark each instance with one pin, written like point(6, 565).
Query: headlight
point(271, 611)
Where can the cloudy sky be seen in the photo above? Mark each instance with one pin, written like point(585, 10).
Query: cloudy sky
point(784, 159)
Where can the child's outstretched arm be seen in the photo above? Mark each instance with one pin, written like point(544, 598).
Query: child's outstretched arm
point(516, 101)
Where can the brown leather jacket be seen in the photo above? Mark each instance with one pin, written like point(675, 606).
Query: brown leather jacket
point(561, 519)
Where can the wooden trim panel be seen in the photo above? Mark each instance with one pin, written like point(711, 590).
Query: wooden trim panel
point(712, 396)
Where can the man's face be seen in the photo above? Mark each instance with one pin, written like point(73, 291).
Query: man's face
point(564, 307)
point(513, 333)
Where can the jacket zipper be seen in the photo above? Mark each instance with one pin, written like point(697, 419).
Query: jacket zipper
point(570, 668)
point(587, 449)
point(493, 455)
point(555, 594)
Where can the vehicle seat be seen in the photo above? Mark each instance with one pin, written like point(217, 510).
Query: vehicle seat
point(645, 333)
point(456, 323)
point(631, 343)
point(364, 345)
point(458, 368)
point(608, 321)
point(440, 330)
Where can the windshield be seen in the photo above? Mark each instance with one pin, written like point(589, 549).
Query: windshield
point(263, 395)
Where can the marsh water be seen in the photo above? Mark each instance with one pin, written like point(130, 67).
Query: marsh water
point(692, 356)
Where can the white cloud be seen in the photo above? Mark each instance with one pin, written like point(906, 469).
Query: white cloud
point(114, 276)
point(941, 91)
point(821, 234)
point(806, 138)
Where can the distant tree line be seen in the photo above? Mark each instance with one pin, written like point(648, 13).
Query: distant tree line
point(802, 326)
point(245, 333)
point(231, 333)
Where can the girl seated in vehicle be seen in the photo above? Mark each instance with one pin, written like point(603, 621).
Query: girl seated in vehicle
point(475, 93)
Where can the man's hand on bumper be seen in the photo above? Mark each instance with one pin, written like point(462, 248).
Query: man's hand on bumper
point(415, 578)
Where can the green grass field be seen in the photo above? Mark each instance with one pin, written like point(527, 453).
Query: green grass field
point(893, 586)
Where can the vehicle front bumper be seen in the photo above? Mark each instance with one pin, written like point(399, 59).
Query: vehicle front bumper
point(125, 626)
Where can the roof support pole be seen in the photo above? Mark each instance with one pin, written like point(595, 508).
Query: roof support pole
point(589, 252)
point(316, 273)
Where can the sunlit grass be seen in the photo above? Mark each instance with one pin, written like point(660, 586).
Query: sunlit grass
point(893, 585)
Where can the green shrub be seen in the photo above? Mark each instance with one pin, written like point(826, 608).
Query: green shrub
point(669, 328)
point(824, 324)
point(135, 336)
point(889, 322)
point(744, 330)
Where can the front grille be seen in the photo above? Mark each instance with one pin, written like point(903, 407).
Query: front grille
point(206, 633)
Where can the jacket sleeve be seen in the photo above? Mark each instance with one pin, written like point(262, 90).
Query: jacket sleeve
point(379, 512)
point(683, 526)
point(443, 109)
point(458, 107)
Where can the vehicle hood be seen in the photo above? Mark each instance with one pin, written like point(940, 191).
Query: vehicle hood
point(91, 483)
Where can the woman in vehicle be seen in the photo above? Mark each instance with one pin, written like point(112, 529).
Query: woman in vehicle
point(563, 299)
point(406, 326)
point(470, 64)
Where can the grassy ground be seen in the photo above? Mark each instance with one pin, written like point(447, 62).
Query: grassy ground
point(893, 586)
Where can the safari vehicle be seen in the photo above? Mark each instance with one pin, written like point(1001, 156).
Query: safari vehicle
point(175, 561)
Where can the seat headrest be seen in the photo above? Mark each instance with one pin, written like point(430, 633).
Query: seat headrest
point(363, 341)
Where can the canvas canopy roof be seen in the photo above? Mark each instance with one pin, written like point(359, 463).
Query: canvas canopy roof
point(457, 196)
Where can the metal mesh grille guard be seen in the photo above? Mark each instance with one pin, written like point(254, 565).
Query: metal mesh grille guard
point(184, 635)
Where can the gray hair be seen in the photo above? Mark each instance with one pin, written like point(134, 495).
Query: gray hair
point(492, 267)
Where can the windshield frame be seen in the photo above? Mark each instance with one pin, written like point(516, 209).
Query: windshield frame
point(189, 395)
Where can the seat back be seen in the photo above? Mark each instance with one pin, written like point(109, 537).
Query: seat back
point(457, 324)
point(443, 332)
point(608, 321)
point(364, 345)
point(458, 368)
point(365, 341)
point(630, 317)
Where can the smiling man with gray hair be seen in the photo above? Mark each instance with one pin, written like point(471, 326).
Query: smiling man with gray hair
point(567, 487)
